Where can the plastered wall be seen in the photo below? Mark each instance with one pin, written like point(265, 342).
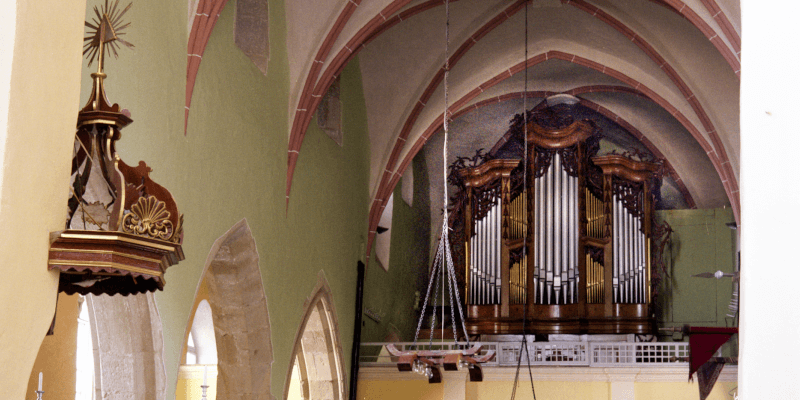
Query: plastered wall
point(701, 242)
point(397, 390)
point(190, 379)
point(57, 354)
point(558, 390)
point(43, 90)
point(390, 294)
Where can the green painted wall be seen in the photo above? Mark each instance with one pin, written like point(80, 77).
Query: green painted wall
point(701, 242)
point(232, 165)
point(391, 293)
point(326, 224)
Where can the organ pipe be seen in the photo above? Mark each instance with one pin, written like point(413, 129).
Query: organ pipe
point(556, 235)
point(630, 278)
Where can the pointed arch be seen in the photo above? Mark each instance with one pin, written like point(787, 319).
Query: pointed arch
point(203, 336)
point(240, 315)
point(317, 351)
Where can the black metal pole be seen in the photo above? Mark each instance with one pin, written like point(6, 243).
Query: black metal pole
point(357, 332)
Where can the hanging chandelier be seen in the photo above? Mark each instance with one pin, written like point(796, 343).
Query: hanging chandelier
point(462, 355)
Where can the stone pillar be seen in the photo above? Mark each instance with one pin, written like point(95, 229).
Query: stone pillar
point(129, 344)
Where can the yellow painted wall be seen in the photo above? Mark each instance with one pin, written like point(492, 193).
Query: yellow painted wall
point(190, 378)
point(544, 390)
point(550, 390)
point(399, 390)
point(44, 92)
point(681, 390)
point(56, 358)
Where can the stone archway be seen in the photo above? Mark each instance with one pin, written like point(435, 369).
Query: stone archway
point(317, 353)
point(240, 314)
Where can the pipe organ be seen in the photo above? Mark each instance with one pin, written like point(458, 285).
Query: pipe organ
point(519, 265)
point(556, 231)
point(562, 243)
point(485, 263)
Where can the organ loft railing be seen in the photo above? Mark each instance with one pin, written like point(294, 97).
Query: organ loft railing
point(588, 220)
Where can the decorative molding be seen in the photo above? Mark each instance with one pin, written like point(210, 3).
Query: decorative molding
point(99, 262)
point(686, 11)
point(148, 217)
point(318, 81)
point(487, 172)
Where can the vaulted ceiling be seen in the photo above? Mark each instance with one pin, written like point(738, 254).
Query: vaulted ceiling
point(665, 70)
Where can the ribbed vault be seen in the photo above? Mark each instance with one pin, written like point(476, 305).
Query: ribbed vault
point(673, 64)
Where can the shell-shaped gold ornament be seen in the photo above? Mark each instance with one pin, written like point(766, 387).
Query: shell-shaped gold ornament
point(148, 217)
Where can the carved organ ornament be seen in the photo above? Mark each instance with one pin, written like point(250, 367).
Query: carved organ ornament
point(586, 266)
point(122, 230)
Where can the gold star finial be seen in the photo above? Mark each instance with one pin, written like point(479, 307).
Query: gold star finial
point(104, 32)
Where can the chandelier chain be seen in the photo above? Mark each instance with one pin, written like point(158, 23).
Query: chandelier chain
point(443, 251)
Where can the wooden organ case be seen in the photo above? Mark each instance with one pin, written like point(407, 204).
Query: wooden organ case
point(588, 220)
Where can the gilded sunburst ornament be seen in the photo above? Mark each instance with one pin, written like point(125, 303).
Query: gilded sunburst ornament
point(104, 32)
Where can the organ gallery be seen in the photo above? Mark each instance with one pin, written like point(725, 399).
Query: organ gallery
point(564, 244)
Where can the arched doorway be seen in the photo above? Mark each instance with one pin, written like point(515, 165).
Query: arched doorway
point(230, 300)
point(317, 368)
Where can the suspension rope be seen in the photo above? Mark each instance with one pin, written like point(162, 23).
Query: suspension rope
point(443, 251)
point(445, 242)
point(524, 344)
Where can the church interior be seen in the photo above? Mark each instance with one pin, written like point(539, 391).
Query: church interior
point(278, 198)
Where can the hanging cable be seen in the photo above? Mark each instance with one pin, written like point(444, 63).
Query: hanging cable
point(445, 217)
point(443, 251)
point(524, 344)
